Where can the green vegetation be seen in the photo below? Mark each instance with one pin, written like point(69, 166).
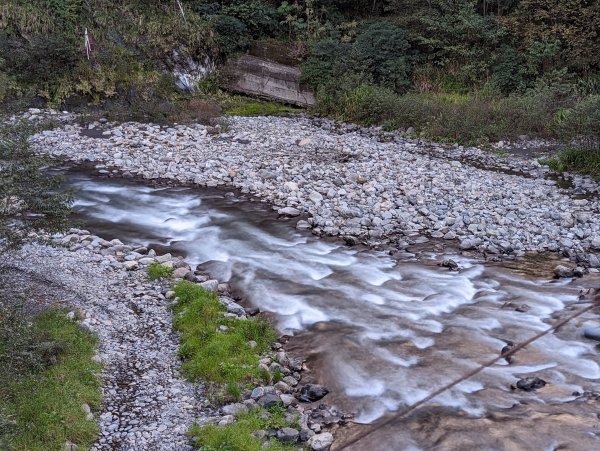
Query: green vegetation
point(46, 374)
point(576, 160)
point(242, 106)
point(209, 353)
point(218, 349)
point(466, 71)
point(238, 436)
point(159, 271)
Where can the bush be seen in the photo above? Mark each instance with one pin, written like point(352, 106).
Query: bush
point(231, 35)
point(259, 18)
point(577, 160)
point(159, 271)
point(381, 52)
point(580, 126)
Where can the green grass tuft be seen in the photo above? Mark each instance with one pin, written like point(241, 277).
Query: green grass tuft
point(576, 160)
point(41, 398)
point(212, 355)
point(159, 271)
point(238, 436)
point(241, 106)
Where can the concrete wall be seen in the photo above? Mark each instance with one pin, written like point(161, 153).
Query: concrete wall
point(265, 78)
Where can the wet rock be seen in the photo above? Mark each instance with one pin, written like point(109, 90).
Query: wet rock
point(252, 311)
point(592, 332)
point(321, 442)
point(306, 434)
point(531, 383)
point(523, 308)
point(449, 263)
point(312, 392)
point(288, 435)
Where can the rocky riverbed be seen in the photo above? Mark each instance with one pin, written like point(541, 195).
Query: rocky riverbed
point(363, 185)
point(146, 402)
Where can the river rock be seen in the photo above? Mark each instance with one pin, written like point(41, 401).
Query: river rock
point(312, 392)
point(592, 332)
point(210, 285)
point(235, 409)
point(269, 400)
point(564, 271)
point(288, 435)
point(289, 211)
point(321, 442)
point(531, 383)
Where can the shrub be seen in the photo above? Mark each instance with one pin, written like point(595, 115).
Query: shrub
point(159, 271)
point(231, 35)
point(578, 160)
point(381, 51)
point(580, 126)
point(259, 18)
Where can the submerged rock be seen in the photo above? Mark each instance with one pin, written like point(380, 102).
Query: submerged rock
point(531, 383)
point(592, 332)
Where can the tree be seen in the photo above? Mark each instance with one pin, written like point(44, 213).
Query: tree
point(575, 24)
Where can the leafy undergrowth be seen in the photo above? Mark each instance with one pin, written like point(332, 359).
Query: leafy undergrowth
point(159, 271)
point(577, 160)
point(214, 353)
point(238, 436)
point(243, 106)
point(46, 375)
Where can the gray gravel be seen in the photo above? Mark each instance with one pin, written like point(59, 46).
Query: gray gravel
point(146, 404)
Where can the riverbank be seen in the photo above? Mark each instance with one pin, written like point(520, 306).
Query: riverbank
point(362, 185)
point(146, 401)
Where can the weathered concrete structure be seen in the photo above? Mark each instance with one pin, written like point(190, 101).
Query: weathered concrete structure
point(265, 78)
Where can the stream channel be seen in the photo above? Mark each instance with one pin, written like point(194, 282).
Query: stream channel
point(382, 334)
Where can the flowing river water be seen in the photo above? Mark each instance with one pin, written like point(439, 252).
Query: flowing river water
point(380, 333)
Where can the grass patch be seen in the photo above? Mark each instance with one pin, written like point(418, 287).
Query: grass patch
point(208, 353)
point(242, 106)
point(46, 374)
point(238, 436)
point(576, 160)
point(159, 271)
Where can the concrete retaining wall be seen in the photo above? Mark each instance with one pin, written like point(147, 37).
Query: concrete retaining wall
point(266, 78)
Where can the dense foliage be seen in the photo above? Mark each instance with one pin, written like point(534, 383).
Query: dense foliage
point(361, 56)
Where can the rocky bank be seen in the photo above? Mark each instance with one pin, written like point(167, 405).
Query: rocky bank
point(364, 185)
point(146, 402)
